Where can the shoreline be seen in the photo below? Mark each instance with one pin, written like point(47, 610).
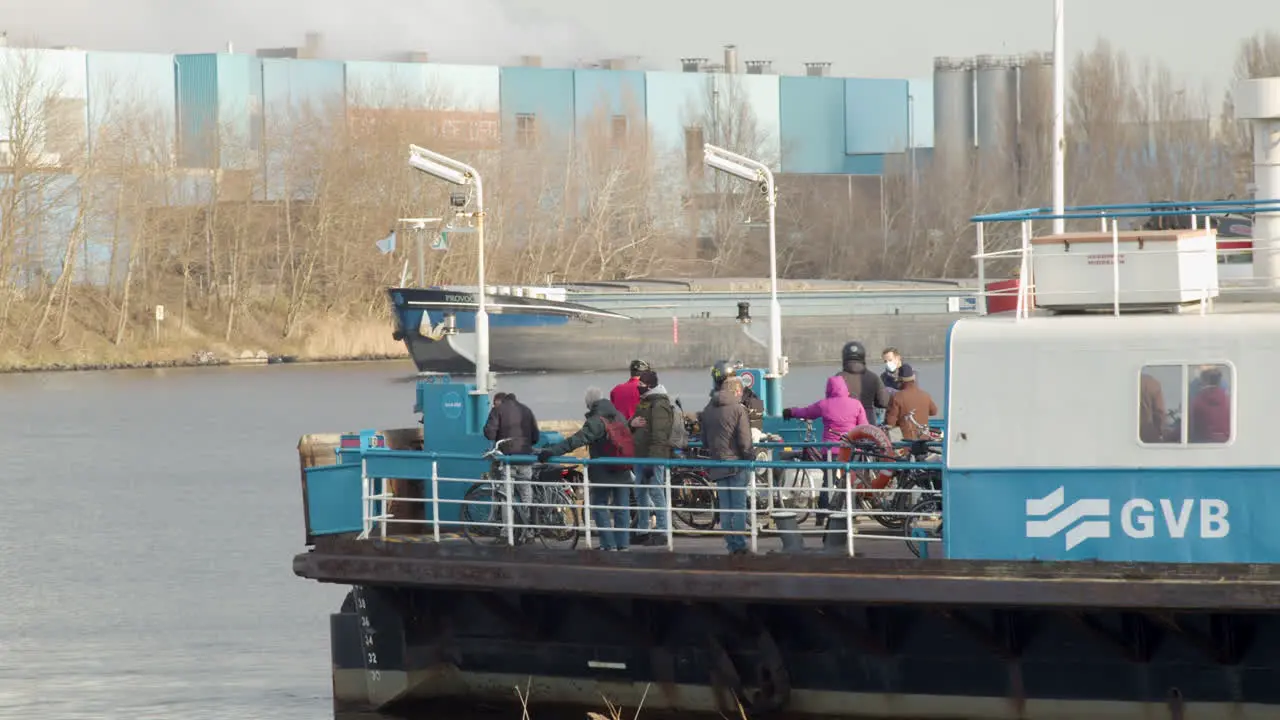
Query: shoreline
point(194, 363)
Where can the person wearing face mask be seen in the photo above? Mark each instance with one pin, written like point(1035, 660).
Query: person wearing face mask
point(894, 369)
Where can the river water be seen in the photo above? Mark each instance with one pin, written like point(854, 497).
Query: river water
point(150, 519)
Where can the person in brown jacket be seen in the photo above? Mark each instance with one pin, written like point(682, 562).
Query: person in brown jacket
point(726, 435)
point(910, 402)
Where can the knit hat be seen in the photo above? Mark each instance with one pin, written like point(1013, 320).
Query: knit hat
point(906, 373)
point(649, 378)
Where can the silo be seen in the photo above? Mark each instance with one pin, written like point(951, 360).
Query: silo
point(953, 133)
point(997, 121)
point(1035, 126)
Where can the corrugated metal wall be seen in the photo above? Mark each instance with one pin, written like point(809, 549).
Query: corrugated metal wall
point(302, 99)
point(53, 84)
point(875, 116)
point(813, 134)
point(544, 94)
point(196, 87)
point(387, 85)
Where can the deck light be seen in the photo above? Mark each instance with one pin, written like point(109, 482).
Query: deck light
point(458, 173)
point(755, 171)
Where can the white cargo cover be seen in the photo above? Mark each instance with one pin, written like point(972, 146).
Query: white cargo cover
point(1157, 267)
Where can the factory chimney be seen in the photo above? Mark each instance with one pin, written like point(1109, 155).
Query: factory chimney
point(731, 58)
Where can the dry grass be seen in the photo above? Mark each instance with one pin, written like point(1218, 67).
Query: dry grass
point(86, 342)
point(615, 712)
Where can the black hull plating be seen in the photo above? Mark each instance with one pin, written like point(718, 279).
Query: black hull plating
point(438, 647)
point(803, 636)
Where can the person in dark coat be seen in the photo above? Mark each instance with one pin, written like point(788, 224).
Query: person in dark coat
point(651, 428)
point(863, 385)
point(513, 421)
point(610, 493)
point(726, 435)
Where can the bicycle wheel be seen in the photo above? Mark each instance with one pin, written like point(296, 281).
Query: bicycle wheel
point(559, 520)
point(693, 499)
point(481, 513)
point(925, 524)
point(798, 491)
point(891, 502)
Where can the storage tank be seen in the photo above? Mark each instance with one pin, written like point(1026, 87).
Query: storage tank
point(953, 131)
point(997, 118)
point(1035, 125)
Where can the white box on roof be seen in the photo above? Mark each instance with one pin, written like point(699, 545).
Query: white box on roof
point(1156, 267)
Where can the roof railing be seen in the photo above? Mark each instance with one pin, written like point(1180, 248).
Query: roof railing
point(1109, 217)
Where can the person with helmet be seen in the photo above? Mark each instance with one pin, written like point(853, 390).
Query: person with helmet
point(625, 396)
point(725, 369)
point(865, 386)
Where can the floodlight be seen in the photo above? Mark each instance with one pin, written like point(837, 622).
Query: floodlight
point(731, 167)
point(431, 167)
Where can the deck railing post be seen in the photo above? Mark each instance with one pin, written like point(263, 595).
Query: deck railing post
point(435, 500)
point(848, 509)
point(1115, 267)
point(510, 513)
point(671, 521)
point(980, 232)
point(366, 522)
point(586, 503)
point(751, 503)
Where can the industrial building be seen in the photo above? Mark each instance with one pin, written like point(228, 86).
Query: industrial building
point(221, 110)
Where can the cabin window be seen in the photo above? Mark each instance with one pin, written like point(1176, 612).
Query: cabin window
point(1186, 404)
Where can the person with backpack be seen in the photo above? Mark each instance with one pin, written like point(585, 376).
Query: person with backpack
point(726, 435)
point(604, 434)
point(656, 428)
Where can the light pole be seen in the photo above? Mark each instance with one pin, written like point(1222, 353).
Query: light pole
point(1059, 119)
point(757, 172)
point(458, 173)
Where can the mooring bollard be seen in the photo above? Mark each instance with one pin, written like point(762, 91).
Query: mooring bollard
point(789, 530)
point(835, 540)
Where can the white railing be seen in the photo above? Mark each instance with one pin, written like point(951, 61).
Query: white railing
point(561, 513)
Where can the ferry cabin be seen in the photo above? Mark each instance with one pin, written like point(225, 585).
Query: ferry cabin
point(1124, 436)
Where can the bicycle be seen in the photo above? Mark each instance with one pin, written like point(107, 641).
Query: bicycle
point(554, 515)
point(800, 493)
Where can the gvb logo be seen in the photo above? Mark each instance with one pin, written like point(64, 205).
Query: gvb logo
point(1090, 518)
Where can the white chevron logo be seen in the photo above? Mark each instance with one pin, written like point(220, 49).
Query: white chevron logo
point(1054, 524)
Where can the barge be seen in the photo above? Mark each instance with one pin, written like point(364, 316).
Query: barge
point(1103, 545)
point(586, 327)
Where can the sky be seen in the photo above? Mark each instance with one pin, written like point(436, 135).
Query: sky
point(861, 38)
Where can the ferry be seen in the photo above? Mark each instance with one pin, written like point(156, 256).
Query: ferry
point(1102, 544)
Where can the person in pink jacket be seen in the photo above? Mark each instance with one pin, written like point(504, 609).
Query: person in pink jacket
point(839, 412)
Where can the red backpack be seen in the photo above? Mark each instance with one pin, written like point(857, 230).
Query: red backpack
point(617, 443)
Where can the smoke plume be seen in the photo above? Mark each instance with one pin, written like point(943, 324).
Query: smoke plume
point(459, 31)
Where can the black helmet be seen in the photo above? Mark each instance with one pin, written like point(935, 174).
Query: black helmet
point(639, 366)
point(853, 352)
point(722, 370)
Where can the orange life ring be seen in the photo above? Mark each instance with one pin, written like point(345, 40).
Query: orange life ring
point(884, 446)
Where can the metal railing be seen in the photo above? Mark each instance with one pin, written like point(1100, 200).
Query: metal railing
point(561, 511)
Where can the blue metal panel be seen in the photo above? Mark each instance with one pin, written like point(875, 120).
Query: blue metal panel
point(334, 503)
point(301, 99)
point(920, 91)
point(294, 90)
point(608, 92)
point(675, 101)
point(133, 87)
point(544, 93)
point(864, 164)
point(374, 84)
point(468, 88)
point(876, 118)
point(812, 114)
point(1121, 515)
point(239, 111)
point(198, 113)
